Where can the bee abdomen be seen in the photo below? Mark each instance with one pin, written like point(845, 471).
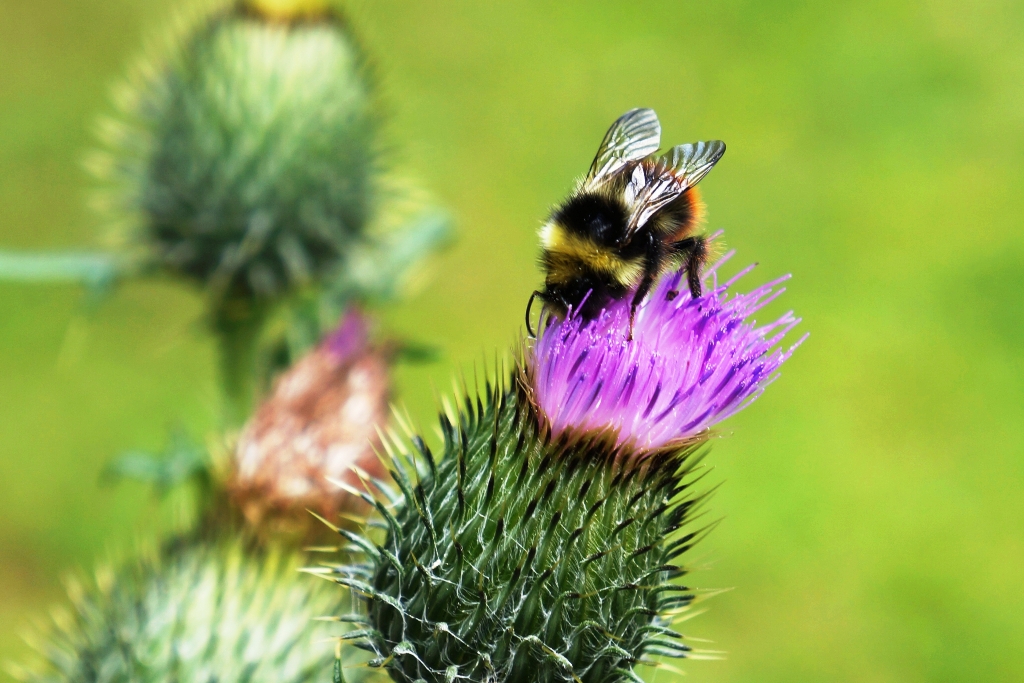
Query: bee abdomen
point(682, 216)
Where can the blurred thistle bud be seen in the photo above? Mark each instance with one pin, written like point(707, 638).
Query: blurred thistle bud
point(546, 543)
point(246, 159)
point(318, 426)
point(193, 611)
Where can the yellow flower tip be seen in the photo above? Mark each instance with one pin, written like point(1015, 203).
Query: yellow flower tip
point(288, 10)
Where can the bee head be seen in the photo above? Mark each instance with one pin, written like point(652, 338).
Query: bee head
point(596, 217)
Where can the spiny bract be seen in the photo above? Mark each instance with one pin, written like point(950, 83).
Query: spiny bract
point(518, 557)
point(193, 612)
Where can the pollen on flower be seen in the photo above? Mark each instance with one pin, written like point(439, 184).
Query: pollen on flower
point(691, 363)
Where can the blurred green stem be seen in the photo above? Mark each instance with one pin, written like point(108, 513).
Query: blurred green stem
point(238, 339)
point(96, 270)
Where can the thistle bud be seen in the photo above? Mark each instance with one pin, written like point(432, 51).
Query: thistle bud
point(191, 612)
point(548, 542)
point(318, 426)
point(246, 158)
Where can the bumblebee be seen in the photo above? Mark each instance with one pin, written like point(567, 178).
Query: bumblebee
point(629, 220)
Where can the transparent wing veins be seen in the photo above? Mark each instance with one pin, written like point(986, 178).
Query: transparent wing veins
point(692, 161)
point(634, 135)
point(679, 169)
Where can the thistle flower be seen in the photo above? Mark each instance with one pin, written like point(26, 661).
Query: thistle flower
point(194, 611)
point(288, 10)
point(691, 364)
point(318, 423)
point(546, 544)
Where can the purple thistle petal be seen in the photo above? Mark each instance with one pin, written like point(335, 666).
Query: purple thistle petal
point(350, 338)
point(691, 363)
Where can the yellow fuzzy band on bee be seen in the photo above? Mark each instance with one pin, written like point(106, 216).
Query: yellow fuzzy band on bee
point(565, 252)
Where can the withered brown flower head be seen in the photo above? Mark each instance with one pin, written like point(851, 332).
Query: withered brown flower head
point(318, 421)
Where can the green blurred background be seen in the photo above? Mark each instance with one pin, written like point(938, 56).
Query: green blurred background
point(874, 514)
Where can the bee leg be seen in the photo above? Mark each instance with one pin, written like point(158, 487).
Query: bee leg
point(638, 298)
point(655, 256)
point(694, 266)
point(529, 307)
point(696, 250)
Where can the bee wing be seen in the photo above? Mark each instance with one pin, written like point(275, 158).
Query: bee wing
point(634, 135)
point(679, 169)
point(692, 161)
